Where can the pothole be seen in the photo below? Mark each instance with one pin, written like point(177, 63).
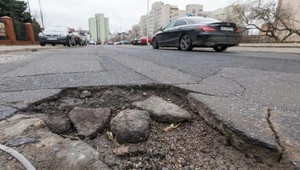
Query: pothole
point(176, 144)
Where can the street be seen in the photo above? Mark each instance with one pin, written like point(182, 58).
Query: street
point(252, 94)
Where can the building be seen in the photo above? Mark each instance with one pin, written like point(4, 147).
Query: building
point(227, 14)
point(161, 14)
point(135, 32)
point(191, 10)
point(143, 25)
point(93, 29)
point(99, 28)
point(291, 7)
point(194, 9)
point(178, 14)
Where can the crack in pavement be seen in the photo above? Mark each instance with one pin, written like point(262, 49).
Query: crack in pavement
point(275, 133)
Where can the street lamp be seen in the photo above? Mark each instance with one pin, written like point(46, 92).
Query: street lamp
point(147, 20)
point(42, 18)
point(121, 24)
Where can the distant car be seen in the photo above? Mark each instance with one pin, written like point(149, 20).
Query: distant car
point(92, 42)
point(188, 32)
point(110, 43)
point(131, 41)
point(135, 41)
point(144, 40)
point(79, 39)
point(57, 35)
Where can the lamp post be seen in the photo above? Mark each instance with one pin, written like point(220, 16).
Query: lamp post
point(121, 24)
point(42, 18)
point(147, 20)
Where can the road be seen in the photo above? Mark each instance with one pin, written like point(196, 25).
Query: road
point(257, 94)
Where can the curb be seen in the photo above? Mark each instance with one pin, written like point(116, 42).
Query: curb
point(25, 50)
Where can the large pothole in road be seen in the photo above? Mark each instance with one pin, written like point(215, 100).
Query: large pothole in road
point(137, 127)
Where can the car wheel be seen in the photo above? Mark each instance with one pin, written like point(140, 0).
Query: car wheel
point(155, 44)
point(69, 43)
point(186, 43)
point(53, 44)
point(220, 49)
point(42, 44)
point(65, 44)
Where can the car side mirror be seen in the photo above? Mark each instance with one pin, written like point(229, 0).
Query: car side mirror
point(161, 29)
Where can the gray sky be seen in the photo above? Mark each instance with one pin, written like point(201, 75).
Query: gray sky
point(75, 13)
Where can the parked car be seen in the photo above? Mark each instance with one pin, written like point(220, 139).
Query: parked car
point(131, 41)
point(144, 40)
point(110, 43)
point(92, 42)
point(135, 41)
point(79, 39)
point(57, 35)
point(188, 32)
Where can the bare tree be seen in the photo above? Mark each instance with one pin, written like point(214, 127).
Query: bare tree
point(279, 20)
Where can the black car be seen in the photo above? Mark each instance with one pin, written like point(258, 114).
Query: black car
point(188, 32)
point(57, 35)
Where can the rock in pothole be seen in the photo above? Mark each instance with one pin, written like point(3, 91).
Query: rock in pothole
point(58, 124)
point(163, 111)
point(85, 94)
point(89, 121)
point(131, 126)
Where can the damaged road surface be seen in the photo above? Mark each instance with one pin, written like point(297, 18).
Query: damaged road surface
point(70, 130)
point(123, 107)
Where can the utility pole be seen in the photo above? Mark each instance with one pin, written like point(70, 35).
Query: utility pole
point(28, 6)
point(42, 18)
point(147, 20)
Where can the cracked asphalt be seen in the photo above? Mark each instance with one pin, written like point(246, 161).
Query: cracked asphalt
point(255, 94)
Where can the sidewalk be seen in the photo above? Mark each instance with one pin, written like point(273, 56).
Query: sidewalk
point(7, 49)
point(270, 45)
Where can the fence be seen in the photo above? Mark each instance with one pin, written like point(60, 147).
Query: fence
point(3, 35)
point(20, 31)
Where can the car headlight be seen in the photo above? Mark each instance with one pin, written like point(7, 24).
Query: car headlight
point(41, 35)
point(62, 35)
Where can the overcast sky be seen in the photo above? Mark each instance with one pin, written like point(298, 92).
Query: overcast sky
point(75, 13)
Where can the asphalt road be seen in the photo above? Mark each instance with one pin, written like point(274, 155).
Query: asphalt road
point(241, 86)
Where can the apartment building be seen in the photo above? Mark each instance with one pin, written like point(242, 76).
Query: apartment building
point(191, 10)
point(99, 28)
point(194, 9)
point(143, 25)
point(161, 14)
point(93, 29)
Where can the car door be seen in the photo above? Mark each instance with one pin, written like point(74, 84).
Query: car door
point(163, 36)
point(175, 32)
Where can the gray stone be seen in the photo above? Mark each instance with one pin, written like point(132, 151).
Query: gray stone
point(85, 94)
point(21, 141)
point(6, 112)
point(20, 127)
point(58, 124)
point(110, 160)
point(131, 126)
point(90, 121)
point(163, 111)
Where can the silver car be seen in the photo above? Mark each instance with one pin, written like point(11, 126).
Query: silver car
point(57, 35)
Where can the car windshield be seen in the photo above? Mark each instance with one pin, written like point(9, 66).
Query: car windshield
point(56, 29)
point(201, 20)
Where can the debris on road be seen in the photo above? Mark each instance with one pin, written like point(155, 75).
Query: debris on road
point(114, 114)
point(172, 126)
